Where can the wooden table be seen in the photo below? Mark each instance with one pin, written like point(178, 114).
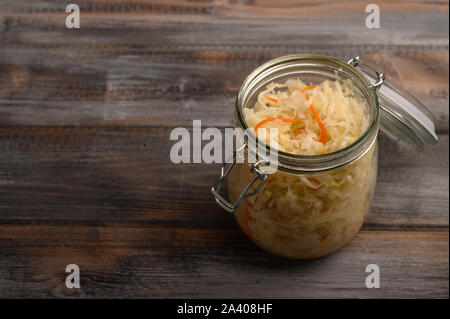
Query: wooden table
point(85, 175)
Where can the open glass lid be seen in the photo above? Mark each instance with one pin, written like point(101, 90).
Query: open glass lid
point(402, 115)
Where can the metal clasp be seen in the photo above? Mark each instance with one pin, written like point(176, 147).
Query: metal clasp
point(225, 171)
point(357, 61)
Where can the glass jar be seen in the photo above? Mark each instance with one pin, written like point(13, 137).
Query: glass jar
point(312, 205)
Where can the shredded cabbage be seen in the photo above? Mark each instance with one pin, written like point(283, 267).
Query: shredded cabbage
point(342, 112)
point(307, 216)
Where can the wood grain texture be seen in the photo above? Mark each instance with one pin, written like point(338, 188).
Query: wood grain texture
point(116, 72)
point(143, 88)
point(125, 173)
point(182, 262)
point(85, 176)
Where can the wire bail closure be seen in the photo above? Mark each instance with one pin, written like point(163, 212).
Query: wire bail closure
point(356, 61)
point(225, 171)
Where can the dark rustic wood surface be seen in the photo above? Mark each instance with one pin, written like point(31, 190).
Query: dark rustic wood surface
point(85, 175)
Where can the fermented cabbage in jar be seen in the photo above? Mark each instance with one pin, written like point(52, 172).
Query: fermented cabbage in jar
point(307, 215)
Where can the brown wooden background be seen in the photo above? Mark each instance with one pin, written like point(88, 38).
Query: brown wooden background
point(85, 176)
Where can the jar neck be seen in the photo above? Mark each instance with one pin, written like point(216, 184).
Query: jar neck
point(318, 66)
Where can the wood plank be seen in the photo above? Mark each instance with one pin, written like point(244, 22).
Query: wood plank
point(132, 60)
point(248, 22)
point(185, 262)
point(95, 174)
point(144, 86)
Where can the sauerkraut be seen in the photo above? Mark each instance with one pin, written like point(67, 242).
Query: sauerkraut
point(342, 112)
point(307, 216)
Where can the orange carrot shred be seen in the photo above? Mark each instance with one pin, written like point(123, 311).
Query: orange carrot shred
point(270, 119)
point(309, 87)
point(271, 98)
point(323, 131)
point(314, 180)
point(306, 96)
